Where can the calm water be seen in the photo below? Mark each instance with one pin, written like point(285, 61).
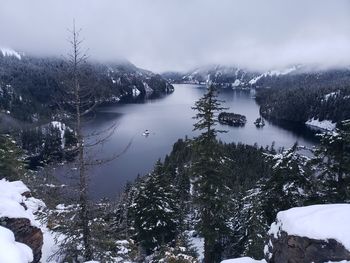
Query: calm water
point(168, 119)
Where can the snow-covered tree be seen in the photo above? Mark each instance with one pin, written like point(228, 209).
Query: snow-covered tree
point(333, 164)
point(156, 211)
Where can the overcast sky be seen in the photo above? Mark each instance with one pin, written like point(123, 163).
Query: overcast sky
point(163, 35)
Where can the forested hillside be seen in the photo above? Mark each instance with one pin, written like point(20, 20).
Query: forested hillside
point(30, 87)
point(301, 97)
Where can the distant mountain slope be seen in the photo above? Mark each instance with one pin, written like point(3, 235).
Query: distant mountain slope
point(28, 84)
point(230, 76)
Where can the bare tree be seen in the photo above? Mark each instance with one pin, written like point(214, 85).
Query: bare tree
point(84, 103)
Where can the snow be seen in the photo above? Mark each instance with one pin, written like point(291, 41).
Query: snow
point(198, 244)
point(12, 251)
point(326, 125)
point(236, 83)
point(135, 92)
point(8, 52)
point(317, 222)
point(11, 199)
point(243, 260)
point(332, 94)
point(62, 128)
point(273, 73)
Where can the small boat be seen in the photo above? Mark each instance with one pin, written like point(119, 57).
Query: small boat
point(259, 122)
point(145, 133)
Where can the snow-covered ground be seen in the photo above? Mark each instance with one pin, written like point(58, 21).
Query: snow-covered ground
point(317, 222)
point(9, 52)
point(325, 125)
point(12, 251)
point(11, 199)
point(273, 73)
point(243, 260)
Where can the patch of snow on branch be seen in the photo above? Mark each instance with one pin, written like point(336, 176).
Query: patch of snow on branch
point(325, 125)
point(12, 251)
point(320, 222)
point(243, 260)
point(7, 52)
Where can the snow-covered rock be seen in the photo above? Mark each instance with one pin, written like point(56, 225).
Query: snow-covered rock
point(243, 260)
point(318, 233)
point(12, 251)
point(17, 210)
point(324, 125)
point(316, 222)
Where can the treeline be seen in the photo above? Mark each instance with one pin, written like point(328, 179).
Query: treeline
point(300, 97)
point(160, 211)
point(228, 194)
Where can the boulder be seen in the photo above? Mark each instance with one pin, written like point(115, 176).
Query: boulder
point(318, 233)
point(295, 249)
point(25, 233)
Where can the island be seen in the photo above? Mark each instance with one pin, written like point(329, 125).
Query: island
point(232, 119)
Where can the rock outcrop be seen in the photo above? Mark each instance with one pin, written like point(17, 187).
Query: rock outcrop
point(25, 233)
point(17, 214)
point(318, 233)
point(295, 249)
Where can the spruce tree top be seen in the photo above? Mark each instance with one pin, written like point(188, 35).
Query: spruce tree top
point(207, 108)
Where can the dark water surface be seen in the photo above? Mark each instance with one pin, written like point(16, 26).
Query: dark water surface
point(169, 119)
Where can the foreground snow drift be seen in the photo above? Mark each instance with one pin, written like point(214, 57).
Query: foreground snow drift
point(243, 260)
point(12, 251)
point(320, 222)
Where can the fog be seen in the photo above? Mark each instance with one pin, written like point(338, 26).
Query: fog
point(163, 35)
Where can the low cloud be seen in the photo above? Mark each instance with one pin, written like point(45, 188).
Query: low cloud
point(181, 34)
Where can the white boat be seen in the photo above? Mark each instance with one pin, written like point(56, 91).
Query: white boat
point(145, 133)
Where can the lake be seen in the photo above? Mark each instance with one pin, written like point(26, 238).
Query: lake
point(168, 119)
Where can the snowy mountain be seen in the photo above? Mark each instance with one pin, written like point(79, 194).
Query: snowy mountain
point(28, 84)
point(236, 77)
point(8, 52)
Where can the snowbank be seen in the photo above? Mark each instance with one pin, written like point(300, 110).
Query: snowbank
point(325, 125)
point(11, 199)
point(243, 260)
point(12, 251)
point(320, 222)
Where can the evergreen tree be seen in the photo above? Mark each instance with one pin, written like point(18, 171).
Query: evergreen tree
point(211, 195)
point(11, 164)
point(156, 211)
point(290, 185)
point(251, 223)
point(333, 164)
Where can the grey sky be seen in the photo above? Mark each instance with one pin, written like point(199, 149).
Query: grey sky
point(180, 34)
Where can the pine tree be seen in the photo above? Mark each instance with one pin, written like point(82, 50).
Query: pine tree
point(252, 223)
point(333, 164)
point(156, 211)
point(11, 163)
point(211, 196)
point(291, 183)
